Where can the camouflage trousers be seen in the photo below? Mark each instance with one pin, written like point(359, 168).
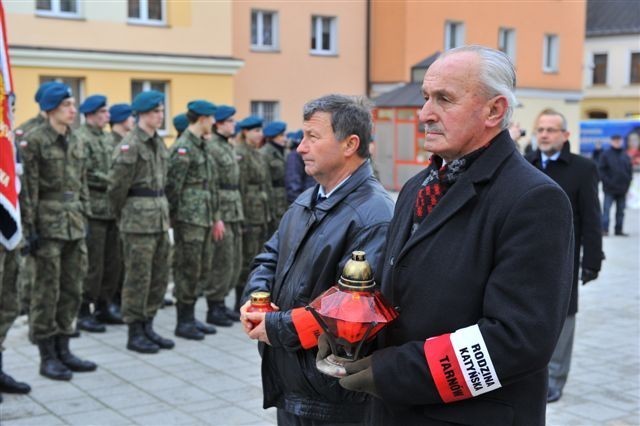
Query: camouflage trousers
point(226, 262)
point(146, 274)
point(253, 239)
point(8, 291)
point(105, 261)
point(57, 291)
point(26, 279)
point(191, 261)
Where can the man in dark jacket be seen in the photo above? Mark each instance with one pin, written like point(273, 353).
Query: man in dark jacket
point(480, 275)
point(616, 173)
point(349, 210)
point(578, 177)
point(296, 181)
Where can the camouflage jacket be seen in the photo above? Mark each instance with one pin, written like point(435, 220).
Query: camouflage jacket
point(139, 164)
point(226, 164)
point(99, 152)
point(274, 157)
point(29, 125)
point(192, 182)
point(56, 181)
point(255, 185)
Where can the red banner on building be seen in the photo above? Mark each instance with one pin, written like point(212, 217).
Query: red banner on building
point(10, 227)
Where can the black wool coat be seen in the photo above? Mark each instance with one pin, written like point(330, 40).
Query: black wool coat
point(578, 177)
point(496, 253)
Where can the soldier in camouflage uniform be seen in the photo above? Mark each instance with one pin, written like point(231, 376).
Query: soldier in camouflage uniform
point(102, 241)
point(192, 191)
point(274, 155)
point(227, 232)
point(55, 177)
point(137, 180)
point(255, 187)
point(27, 270)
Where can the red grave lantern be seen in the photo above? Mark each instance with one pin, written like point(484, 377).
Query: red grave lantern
point(351, 313)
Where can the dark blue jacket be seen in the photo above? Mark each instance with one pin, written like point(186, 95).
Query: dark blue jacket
point(615, 171)
point(303, 258)
point(296, 181)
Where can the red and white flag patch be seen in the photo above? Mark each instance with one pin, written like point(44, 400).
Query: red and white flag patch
point(460, 364)
point(124, 148)
point(182, 151)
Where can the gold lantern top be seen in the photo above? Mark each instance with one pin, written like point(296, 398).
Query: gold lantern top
point(357, 273)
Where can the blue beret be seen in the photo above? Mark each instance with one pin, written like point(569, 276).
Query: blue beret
point(53, 95)
point(223, 112)
point(146, 101)
point(274, 128)
point(180, 122)
point(201, 107)
point(92, 104)
point(42, 88)
point(119, 112)
point(296, 136)
point(251, 122)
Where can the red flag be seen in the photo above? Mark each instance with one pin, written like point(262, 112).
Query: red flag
point(10, 227)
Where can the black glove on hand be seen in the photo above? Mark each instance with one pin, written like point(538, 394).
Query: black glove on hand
point(588, 275)
point(31, 244)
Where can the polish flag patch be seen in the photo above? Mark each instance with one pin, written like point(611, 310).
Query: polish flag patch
point(124, 148)
point(182, 151)
point(19, 132)
point(23, 143)
point(460, 364)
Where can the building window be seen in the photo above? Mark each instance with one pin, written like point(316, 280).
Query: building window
point(138, 86)
point(323, 35)
point(59, 8)
point(550, 53)
point(507, 42)
point(599, 69)
point(268, 110)
point(264, 30)
point(77, 90)
point(147, 12)
point(598, 115)
point(453, 35)
point(634, 72)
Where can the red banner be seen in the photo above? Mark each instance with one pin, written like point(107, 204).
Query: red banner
point(10, 227)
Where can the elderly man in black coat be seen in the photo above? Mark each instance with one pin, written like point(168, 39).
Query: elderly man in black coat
point(478, 260)
point(578, 177)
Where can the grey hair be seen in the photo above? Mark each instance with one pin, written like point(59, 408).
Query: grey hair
point(350, 115)
point(497, 76)
point(551, 111)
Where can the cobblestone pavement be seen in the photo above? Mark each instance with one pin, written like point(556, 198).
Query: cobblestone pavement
point(217, 381)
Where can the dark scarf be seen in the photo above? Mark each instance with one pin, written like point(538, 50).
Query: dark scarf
point(438, 181)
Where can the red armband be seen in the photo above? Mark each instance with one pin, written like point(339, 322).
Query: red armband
point(307, 327)
point(460, 364)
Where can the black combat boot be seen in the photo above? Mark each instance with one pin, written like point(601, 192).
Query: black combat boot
point(138, 341)
point(70, 360)
point(217, 314)
point(205, 328)
point(50, 365)
point(108, 313)
point(155, 337)
point(88, 322)
point(186, 324)
point(8, 383)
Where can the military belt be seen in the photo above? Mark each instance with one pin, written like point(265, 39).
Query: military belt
point(65, 197)
point(98, 188)
point(229, 187)
point(145, 192)
point(277, 183)
point(199, 185)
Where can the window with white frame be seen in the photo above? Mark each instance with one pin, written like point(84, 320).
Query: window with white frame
point(453, 35)
point(148, 12)
point(268, 110)
point(507, 42)
point(634, 69)
point(324, 35)
point(59, 8)
point(77, 90)
point(599, 76)
point(264, 30)
point(138, 86)
point(550, 53)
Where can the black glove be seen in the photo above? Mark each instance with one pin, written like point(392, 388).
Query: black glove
point(359, 376)
point(31, 244)
point(588, 275)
